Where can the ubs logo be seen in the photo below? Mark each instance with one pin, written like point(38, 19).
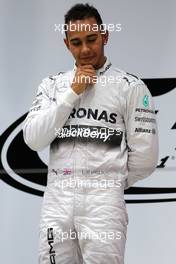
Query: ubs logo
point(23, 169)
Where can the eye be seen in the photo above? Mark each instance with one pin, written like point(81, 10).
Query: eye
point(91, 39)
point(76, 43)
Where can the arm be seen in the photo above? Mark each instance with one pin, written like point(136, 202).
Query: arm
point(141, 133)
point(47, 114)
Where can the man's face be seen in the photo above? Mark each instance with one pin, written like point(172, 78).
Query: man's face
point(86, 43)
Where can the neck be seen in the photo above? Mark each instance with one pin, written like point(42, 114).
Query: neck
point(99, 65)
point(102, 62)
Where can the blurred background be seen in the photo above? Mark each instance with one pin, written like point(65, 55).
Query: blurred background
point(32, 48)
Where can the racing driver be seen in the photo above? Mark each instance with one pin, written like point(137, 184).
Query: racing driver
point(100, 124)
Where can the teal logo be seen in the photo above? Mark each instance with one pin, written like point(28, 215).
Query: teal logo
point(145, 100)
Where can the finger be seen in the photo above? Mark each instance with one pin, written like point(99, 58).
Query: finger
point(90, 72)
point(90, 76)
point(87, 66)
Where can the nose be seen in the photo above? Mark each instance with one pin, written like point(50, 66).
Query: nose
point(85, 49)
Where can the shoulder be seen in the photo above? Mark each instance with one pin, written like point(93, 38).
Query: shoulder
point(130, 85)
point(52, 80)
point(127, 78)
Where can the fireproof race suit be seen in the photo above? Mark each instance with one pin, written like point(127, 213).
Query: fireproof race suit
point(101, 142)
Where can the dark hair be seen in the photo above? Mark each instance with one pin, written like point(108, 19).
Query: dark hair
point(82, 11)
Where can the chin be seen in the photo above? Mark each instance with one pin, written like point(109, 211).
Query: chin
point(91, 61)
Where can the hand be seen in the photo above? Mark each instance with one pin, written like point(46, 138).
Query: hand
point(85, 75)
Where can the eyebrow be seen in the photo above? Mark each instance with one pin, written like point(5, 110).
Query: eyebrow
point(89, 36)
point(92, 35)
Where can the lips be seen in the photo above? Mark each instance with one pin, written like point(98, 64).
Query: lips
point(87, 58)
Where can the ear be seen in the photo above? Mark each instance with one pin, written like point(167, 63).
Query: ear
point(105, 37)
point(66, 43)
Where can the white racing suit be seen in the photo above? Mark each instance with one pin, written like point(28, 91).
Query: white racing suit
point(101, 142)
